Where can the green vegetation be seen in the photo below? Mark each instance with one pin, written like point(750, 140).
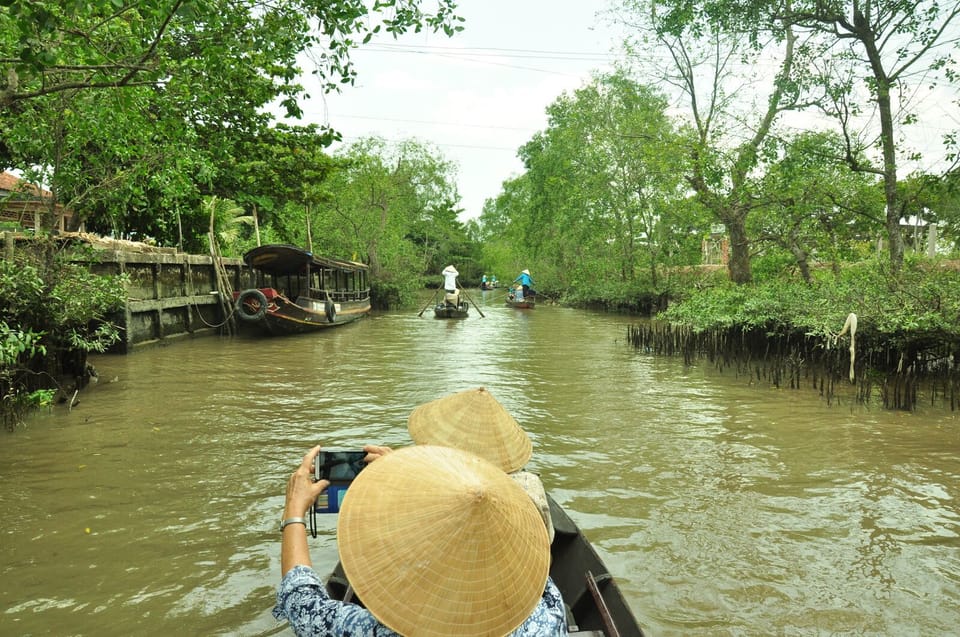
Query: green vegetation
point(54, 313)
point(690, 155)
point(156, 120)
point(132, 113)
point(921, 305)
point(785, 330)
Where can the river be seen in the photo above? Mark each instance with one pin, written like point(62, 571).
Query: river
point(722, 507)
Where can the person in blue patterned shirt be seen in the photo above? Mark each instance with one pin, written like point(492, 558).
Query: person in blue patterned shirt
point(434, 541)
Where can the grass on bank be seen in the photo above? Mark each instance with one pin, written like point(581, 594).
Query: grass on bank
point(914, 315)
point(920, 308)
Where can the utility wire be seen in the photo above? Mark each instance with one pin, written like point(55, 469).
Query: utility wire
point(491, 52)
point(446, 144)
point(431, 122)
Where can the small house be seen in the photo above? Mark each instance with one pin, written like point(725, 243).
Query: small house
point(23, 204)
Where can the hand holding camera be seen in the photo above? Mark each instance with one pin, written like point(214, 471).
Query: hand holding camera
point(320, 482)
point(302, 487)
point(337, 468)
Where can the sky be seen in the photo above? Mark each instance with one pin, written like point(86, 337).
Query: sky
point(478, 96)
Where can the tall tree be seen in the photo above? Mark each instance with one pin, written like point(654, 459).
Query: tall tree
point(897, 43)
point(606, 178)
point(814, 205)
point(280, 169)
point(500, 226)
point(59, 46)
point(936, 200)
point(110, 99)
point(713, 63)
point(392, 205)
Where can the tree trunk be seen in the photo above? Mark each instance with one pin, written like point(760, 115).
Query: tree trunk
point(738, 264)
point(890, 177)
point(802, 262)
point(374, 259)
point(863, 31)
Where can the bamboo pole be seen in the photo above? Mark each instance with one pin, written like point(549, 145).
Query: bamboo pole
point(471, 300)
point(429, 303)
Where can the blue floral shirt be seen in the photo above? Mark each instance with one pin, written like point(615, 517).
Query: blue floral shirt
point(303, 601)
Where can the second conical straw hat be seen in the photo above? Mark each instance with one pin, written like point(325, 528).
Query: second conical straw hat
point(474, 421)
point(437, 541)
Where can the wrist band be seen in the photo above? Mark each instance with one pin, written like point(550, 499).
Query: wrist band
point(290, 521)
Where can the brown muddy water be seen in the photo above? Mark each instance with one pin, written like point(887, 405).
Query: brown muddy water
point(722, 507)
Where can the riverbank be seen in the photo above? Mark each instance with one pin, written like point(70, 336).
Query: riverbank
point(892, 334)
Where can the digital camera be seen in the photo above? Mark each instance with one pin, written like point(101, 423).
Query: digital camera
point(340, 467)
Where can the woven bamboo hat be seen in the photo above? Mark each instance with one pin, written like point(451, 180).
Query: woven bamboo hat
point(474, 421)
point(437, 541)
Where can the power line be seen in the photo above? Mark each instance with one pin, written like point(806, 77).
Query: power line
point(475, 60)
point(488, 55)
point(491, 52)
point(397, 141)
point(431, 123)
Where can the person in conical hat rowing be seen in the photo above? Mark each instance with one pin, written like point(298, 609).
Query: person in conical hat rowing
point(450, 275)
point(526, 282)
point(421, 536)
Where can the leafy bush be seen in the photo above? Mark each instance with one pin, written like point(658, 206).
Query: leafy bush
point(17, 348)
point(54, 312)
point(922, 303)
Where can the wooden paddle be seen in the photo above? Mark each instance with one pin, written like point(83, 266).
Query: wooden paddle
point(471, 300)
point(429, 303)
point(610, 628)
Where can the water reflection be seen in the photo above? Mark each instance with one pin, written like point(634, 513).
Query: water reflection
point(722, 507)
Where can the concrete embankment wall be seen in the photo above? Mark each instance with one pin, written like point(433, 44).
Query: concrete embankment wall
point(169, 294)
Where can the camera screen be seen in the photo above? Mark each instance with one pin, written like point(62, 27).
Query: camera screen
point(340, 466)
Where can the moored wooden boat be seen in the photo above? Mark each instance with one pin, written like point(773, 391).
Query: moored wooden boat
point(299, 291)
point(594, 603)
point(444, 310)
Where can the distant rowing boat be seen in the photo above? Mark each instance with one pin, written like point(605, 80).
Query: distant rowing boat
point(444, 310)
point(451, 305)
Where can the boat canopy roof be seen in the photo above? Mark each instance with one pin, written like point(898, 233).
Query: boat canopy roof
point(280, 259)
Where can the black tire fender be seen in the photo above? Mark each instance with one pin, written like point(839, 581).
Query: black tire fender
point(255, 298)
point(331, 310)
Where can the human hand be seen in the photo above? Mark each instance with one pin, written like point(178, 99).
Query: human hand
point(302, 491)
point(374, 452)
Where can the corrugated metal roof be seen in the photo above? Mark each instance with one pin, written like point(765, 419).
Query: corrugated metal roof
point(287, 259)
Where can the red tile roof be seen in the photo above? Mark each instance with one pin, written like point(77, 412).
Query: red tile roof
point(11, 183)
point(20, 201)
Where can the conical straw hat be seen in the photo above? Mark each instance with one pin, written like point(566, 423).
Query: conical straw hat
point(472, 420)
point(437, 541)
